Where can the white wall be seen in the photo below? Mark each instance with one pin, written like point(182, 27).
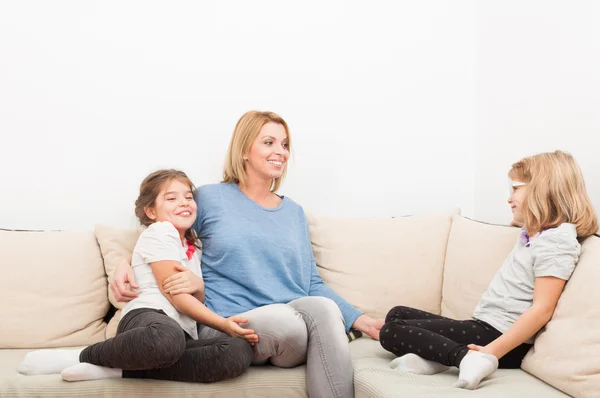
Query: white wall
point(395, 107)
point(94, 95)
point(538, 90)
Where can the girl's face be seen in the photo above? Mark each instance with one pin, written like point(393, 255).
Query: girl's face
point(518, 191)
point(269, 153)
point(175, 203)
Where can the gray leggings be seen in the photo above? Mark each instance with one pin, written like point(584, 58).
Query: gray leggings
point(151, 345)
point(306, 330)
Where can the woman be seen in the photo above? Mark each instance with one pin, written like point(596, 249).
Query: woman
point(258, 262)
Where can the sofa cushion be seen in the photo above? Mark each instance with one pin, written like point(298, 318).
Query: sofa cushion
point(374, 378)
point(376, 264)
point(475, 252)
point(52, 289)
point(258, 381)
point(566, 353)
point(116, 244)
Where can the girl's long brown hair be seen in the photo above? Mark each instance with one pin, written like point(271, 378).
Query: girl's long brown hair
point(150, 189)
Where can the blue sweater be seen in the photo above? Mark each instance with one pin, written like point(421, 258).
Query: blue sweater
point(254, 256)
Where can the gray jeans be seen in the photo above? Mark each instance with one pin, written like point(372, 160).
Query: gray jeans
point(307, 330)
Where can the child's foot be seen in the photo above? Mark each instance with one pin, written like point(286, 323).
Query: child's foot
point(474, 367)
point(47, 362)
point(415, 364)
point(87, 371)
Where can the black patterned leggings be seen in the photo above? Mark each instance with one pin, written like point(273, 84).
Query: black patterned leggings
point(440, 339)
point(151, 345)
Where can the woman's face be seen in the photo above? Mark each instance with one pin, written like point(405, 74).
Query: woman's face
point(269, 153)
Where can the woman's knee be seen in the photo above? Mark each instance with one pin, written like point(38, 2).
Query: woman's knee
point(279, 321)
point(282, 334)
point(319, 309)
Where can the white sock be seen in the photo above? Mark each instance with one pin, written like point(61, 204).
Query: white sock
point(474, 367)
point(87, 371)
point(415, 364)
point(47, 362)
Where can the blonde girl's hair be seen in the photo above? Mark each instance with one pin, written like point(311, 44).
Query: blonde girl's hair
point(245, 132)
point(555, 194)
point(150, 189)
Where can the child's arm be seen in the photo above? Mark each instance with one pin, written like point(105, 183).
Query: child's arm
point(185, 281)
point(547, 291)
point(192, 307)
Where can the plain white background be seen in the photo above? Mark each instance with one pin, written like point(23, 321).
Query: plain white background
point(395, 107)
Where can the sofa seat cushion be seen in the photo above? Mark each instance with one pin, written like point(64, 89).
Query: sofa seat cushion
point(263, 381)
point(52, 289)
point(374, 378)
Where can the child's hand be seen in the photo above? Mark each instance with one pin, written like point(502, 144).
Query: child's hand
point(483, 349)
point(232, 328)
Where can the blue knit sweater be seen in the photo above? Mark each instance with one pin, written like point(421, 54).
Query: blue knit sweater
point(254, 256)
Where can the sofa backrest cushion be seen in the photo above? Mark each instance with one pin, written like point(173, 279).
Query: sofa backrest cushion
point(475, 252)
point(52, 289)
point(116, 245)
point(566, 353)
point(376, 264)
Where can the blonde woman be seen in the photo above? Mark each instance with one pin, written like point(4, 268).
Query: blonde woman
point(549, 200)
point(257, 261)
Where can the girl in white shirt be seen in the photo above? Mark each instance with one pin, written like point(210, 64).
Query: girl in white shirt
point(157, 335)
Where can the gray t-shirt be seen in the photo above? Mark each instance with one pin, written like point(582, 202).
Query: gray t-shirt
point(160, 242)
point(553, 252)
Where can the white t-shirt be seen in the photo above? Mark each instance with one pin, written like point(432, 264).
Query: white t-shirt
point(554, 252)
point(160, 242)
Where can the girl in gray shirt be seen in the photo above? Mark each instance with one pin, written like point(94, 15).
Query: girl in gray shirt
point(549, 201)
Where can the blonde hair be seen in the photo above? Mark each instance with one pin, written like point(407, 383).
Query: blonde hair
point(555, 193)
point(245, 132)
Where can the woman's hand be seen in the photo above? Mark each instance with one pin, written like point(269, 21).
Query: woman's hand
point(232, 327)
point(185, 281)
point(123, 274)
point(369, 326)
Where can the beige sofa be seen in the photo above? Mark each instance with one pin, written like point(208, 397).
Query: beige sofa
point(54, 294)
